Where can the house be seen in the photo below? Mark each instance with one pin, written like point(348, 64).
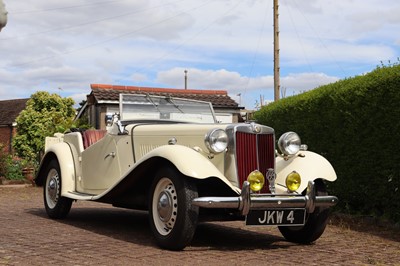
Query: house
point(9, 111)
point(103, 100)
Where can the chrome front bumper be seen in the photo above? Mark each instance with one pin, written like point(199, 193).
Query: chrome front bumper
point(250, 201)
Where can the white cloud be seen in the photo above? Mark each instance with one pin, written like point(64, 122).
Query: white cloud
point(136, 77)
point(78, 98)
point(224, 79)
point(224, 44)
point(306, 81)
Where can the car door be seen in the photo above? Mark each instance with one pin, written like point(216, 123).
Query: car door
point(100, 166)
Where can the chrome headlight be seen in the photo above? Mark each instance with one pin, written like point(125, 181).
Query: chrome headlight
point(289, 143)
point(216, 140)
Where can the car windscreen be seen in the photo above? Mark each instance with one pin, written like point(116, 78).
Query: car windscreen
point(140, 107)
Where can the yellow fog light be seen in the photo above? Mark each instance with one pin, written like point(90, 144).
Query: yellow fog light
point(293, 181)
point(256, 180)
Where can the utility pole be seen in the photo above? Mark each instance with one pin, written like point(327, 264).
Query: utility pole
point(276, 52)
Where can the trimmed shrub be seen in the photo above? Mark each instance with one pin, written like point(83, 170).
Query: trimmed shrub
point(355, 124)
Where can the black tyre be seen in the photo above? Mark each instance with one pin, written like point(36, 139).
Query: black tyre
point(315, 223)
point(57, 207)
point(173, 218)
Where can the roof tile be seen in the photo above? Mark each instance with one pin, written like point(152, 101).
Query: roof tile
point(10, 109)
point(218, 98)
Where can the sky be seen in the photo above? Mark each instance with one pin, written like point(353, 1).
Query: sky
point(64, 46)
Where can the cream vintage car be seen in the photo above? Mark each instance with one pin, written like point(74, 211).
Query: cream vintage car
point(171, 157)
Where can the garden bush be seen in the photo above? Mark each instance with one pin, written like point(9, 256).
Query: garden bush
point(11, 166)
point(355, 124)
point(3, 160)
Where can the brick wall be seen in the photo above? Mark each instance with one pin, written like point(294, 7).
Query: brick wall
point(5, 137)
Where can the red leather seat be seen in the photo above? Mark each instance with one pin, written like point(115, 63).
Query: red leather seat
point(91, 136)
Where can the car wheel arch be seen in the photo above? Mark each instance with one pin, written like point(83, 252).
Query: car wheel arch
point(62, 153)
point(40, 176)
point(139, 180)
point(189, 162)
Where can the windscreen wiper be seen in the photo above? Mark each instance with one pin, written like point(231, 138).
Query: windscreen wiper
point(152, 102)
point(169, 99)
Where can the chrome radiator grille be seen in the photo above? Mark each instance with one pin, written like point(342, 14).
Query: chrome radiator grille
point(254, 152)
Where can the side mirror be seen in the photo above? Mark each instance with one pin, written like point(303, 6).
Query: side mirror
point(114, 125)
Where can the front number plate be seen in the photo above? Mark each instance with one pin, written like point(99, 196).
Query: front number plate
point(276, 217)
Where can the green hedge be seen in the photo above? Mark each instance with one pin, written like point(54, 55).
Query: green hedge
point(355, 124)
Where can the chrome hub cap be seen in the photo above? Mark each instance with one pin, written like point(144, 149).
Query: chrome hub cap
point(52, 188)
point(165, 206)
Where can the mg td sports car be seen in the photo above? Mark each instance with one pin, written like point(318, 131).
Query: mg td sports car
point(171, 157)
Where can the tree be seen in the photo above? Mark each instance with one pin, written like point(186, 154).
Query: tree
point(81, 105)
point(44, 115)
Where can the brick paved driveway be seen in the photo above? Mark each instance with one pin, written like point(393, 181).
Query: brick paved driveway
point(97, 234)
